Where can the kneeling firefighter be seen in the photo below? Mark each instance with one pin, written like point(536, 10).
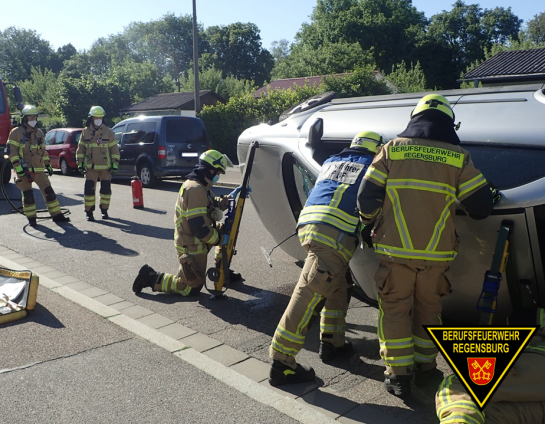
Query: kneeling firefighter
point(328, 230)
point(30, 160)
point(196, 230)
point(98, 158)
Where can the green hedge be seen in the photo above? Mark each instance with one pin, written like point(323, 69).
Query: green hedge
point(225, 122)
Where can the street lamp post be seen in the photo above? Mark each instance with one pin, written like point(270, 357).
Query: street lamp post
point(196, 59)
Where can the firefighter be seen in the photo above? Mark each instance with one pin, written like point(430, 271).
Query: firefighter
point(196, 230)
point(30, 161)
point(98, 158)
point(328, 230)
point(520, 397)
point(412, 186)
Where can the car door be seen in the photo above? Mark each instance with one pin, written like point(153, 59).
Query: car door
point(49, 143)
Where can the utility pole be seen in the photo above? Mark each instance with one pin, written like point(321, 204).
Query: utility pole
point(196, 59)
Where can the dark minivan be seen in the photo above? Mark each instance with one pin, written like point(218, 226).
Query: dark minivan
point(154, 147)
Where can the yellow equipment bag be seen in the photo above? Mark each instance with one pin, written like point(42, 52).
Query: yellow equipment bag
point(18, 294)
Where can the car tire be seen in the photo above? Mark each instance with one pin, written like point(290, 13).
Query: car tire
point(65, 168)
point(146, 175)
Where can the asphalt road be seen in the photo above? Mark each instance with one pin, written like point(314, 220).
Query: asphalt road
point(108, 254)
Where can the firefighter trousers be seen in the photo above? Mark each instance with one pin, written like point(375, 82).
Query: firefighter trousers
point(323, 277)
point(408, 298)
point(519, 399)
point(91, 178)
point(190, 278)
point(29, 203)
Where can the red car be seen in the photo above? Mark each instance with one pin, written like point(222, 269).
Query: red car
point(61, 145)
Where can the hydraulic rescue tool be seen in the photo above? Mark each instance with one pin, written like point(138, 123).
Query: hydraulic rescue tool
point(220, 274)
point(488, 299)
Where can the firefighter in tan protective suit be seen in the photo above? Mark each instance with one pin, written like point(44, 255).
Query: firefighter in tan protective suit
point(196, 231)
point(30, 161)
point(327, 229)
point(519, 399)
point(410, 190)
point(98, 158)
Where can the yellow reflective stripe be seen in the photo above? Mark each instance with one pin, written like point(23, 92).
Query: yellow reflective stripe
point(541, 312)
point(458, 416)
point(397, 343)
point(400, 219)
point(190, 212)
point(426, 154)
point(332, 313)
point(420, 342)
point(14, 143)
point(377, 175)
point(308, 312)
point(328, 328)
point(424, 359)
point(444, 391)
point(325, 209)
point(200, 250)
point(288, 335)
point(338, 195)
point(422, 185)
point(15, 159)
point(471, 185)
point(34, 169)
point(283, 349)
point(370, 216)
point(214, 238)
point(398, 361)
point(539, 348)
point(415, 254)
point(440, 226)
point(328, 241)
point(380, 330)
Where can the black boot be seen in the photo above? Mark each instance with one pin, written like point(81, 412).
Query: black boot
point(104, 213)
point(60, 218)
point(328, 352)
point(428, 379)
point(90, 216)
point(146, 278)
point(282, 374)
point(398, 385)
point(32, 222)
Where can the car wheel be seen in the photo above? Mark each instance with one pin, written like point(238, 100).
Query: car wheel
point(145, 173)
point(65, 168)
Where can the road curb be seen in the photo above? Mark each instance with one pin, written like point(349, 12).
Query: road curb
point(261, 393)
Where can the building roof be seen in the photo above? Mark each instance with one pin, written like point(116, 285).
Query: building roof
point(514, 64)
point(165, 101)
point(287, 83)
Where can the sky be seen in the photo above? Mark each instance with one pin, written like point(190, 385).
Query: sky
point(71, 21)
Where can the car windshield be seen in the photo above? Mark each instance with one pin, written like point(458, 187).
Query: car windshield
point(508, 166)
point(185, 130)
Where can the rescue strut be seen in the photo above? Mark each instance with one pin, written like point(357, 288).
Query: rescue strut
point(488, 299)
point(220, 274)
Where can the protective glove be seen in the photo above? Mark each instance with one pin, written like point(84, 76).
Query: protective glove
point(225, 240)
point(81, 168)
point(236, 191)
point(115, 167)
point(20, 171)
point(366, 235)
point(496, 194)
point(50, 170)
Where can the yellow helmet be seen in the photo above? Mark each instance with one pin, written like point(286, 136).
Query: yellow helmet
point(369, 140)
point(29, 110)
point(97, 111)
point(433, 102)
point(214, 159)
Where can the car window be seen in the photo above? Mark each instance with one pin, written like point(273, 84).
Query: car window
point(185, 130)
point(76, 135)
point(49, 138)
point(118, 132)
point(140, 132)
point(61, 137)
point(508, 166)
point(298, 182)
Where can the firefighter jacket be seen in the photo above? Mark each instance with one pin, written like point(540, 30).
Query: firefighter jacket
point(332, 201)
point(27, 148)
point(195, 230)
point(416, 181)
point(520, 398)
point(97, 148)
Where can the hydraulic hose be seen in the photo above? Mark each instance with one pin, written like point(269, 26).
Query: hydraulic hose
point(65, 211)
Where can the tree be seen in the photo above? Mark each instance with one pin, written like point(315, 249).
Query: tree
point(236, 50)
point(280, 50)
point(536, 28)
point(63, 54)
point(41, 90)
point(408, 80)
point(360, 82)
point(211, 79)
point(20, 51)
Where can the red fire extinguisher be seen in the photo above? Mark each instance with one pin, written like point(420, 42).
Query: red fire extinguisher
point(137, 194)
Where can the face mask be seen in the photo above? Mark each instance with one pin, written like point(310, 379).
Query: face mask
point(215, 179)
point(32, 123)
point(98, 122)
